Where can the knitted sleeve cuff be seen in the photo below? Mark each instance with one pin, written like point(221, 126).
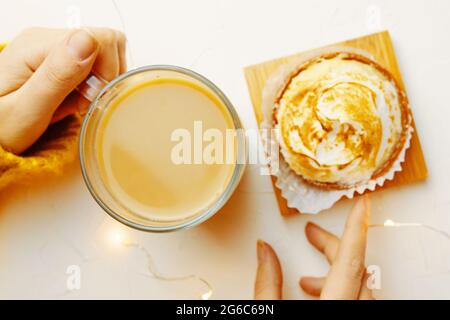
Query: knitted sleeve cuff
point(56, 148)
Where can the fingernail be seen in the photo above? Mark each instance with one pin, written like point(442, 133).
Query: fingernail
point(81, 45)
point(261, 249)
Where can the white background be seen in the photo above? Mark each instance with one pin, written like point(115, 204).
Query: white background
point(52, 224)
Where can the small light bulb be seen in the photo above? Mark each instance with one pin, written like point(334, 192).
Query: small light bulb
point(389, 223)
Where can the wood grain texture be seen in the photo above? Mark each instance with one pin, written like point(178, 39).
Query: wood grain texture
point(380, 46)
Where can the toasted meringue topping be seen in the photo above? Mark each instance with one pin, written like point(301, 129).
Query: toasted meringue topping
point(339, 119)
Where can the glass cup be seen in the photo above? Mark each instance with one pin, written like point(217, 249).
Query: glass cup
point(101, 95)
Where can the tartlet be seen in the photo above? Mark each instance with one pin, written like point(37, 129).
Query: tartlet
point(341, 119)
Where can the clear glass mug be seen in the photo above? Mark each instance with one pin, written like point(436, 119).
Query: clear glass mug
point(101, 94)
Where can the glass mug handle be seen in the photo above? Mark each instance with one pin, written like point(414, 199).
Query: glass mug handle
point(91, 87)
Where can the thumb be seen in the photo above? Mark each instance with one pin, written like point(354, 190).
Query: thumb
point(269, 278)
point(67, 65)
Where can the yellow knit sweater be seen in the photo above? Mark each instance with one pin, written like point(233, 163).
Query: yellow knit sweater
point(56, 147)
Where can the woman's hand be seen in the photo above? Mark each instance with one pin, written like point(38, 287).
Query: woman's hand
point(39, 71)
point(347, 277)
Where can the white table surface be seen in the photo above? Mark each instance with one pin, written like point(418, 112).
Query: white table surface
point(49, 225)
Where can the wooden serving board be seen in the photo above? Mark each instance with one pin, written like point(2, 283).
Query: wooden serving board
point(380, 46)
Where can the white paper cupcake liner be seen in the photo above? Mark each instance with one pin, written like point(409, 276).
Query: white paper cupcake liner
point(299, 194)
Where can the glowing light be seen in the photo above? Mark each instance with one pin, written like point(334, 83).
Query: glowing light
point(206, 295)
point(116, 236)
point(389, 223)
